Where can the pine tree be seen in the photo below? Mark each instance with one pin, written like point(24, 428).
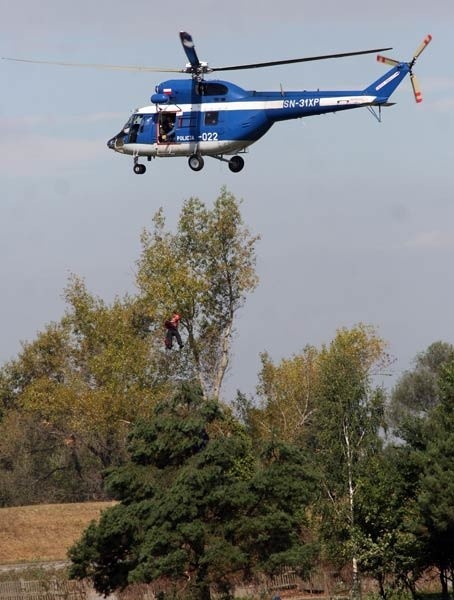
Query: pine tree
point(196, 507)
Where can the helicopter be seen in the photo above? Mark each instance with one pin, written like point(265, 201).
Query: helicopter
point(197, 117)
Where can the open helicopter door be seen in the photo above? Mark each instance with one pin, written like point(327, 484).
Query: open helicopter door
point(167, 125)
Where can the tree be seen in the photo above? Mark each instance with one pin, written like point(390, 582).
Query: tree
point(345, 432)
point(195, 506)
point(84, 379)
point(436, 483)
point(73, 391)
point(385, 536)
point(425, 458)
point(287, 393)
point(416, 392)
point(39, 459)
point(203, 271)
point(325, 401)
point(39, 464)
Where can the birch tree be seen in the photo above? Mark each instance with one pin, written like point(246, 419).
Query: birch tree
point(346, 428)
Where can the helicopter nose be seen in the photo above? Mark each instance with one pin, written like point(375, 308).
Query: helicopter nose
point(117, 142)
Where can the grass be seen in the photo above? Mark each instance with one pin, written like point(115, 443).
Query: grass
point(43, 532)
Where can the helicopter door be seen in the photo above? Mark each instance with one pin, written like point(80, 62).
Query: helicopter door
point(166, 127)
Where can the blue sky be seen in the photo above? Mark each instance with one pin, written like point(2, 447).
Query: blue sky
point(356, 217)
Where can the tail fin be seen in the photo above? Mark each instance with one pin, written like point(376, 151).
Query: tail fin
point(387, 84)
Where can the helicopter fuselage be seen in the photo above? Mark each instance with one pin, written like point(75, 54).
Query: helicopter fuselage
point(219, 118)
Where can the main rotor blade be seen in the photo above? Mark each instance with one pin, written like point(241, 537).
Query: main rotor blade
point(386, 60)
point(97, 66)
point(298, 60)
point(416, 88)
point(189, 48)
point(422, 46)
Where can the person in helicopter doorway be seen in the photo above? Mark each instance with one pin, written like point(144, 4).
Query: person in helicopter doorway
point(167, 129)
point(172, 331)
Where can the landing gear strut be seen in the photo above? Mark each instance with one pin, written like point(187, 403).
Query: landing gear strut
point(196, 162)
point(138, 168)
point(236, 163)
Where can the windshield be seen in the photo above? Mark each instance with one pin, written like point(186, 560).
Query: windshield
point(128, 123)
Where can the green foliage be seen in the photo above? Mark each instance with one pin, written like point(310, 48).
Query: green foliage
point(349, 410)
point(417, 391)
point(177, 433)
point(325, 401)
point(345, 435)
point(189, 508)
point(85, 379)
point(69, 397)
point(436, 489)
point(90, 408)
point(426, 466)
point(386, 522)
point(287, 392)
point(203, 271)
point(38, 466)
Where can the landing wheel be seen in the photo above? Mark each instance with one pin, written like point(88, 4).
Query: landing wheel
point(139, 169)
point(195, 162)
point(236, 163)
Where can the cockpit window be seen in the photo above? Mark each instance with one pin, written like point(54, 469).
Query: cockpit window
point(146, 120)
point(136, 125)
point(128, 123)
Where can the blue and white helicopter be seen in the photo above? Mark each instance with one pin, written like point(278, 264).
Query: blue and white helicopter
point(197, 118)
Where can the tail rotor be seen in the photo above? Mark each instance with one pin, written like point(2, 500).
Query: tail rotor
point(387, 61)
point(421, 47)
point(414, 82)
point(416, 89)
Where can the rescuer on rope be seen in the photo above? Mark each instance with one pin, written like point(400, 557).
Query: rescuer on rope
point(172, 331)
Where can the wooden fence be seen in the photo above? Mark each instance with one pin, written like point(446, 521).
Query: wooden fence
point(283, 584)
point(43, 590)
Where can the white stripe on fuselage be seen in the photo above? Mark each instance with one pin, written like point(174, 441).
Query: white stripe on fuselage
point(255, 105)
point(345, 100)
point(210, 106)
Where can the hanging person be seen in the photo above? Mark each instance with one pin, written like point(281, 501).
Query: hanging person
point(172, 331)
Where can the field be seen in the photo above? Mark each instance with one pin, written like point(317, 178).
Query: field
point(43, 532)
